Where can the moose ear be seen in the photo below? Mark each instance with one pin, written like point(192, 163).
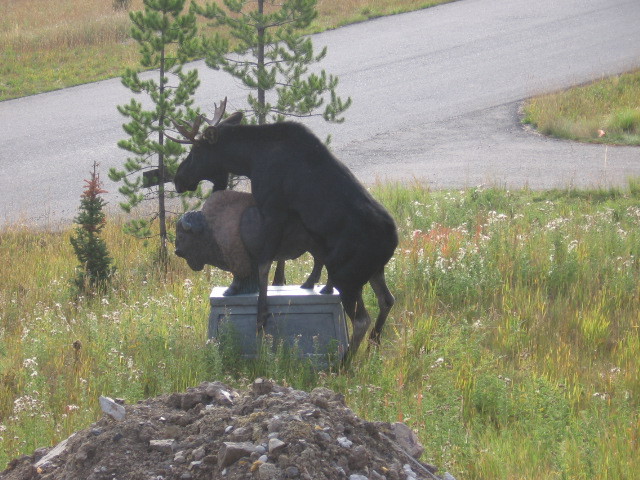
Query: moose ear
point(210, 134)
point(233, 119)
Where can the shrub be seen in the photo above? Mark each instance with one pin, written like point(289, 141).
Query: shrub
point(95, 263)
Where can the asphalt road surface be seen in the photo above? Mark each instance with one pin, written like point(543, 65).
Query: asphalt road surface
point(435, 99)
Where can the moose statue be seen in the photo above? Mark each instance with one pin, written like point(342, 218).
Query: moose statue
point(293, 173)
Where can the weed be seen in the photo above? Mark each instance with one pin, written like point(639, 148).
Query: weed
point(607, 111)
point(511, 349)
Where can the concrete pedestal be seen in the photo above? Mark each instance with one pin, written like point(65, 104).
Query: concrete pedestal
point(315, 323)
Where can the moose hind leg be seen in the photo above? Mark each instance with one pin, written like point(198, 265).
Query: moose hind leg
point(385, 302)
point(360, 321)
point(278, 277)
point(314, 276)
point(328, 288)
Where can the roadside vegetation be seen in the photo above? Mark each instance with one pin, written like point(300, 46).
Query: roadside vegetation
point(607, 111)
point(48, 45)
point(512, 348)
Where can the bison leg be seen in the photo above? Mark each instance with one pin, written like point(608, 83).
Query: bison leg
point(241, 286)
point(278, 277)
point(385, 302)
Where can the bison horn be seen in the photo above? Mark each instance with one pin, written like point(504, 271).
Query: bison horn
point(185, 224)
point(193, 222)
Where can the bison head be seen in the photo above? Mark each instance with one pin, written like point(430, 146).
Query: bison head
point(191, 241)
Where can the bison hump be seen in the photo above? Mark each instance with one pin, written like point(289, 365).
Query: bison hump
point(223, 211)
point(252, 231)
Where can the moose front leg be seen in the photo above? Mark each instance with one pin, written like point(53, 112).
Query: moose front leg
point(273, 227)
point(263, 282)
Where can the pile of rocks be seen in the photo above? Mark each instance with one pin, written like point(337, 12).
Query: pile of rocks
point(267, 432)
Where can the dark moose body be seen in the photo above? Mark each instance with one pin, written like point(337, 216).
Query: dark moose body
point(293, 172)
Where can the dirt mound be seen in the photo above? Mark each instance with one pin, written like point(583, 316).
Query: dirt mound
point(214, 432)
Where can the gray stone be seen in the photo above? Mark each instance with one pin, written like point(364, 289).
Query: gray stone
point(267, 471)
point(219, 394)
point(357, 476)
point(239, 432)
point(320, 397)
point(407, 439)
point(191, 399)
point(344, 442)
point(165, 445)
point(275, 445)
point(199, 453)
point(358, 458)
point(262, 386)
point(54, 452)
point(376, 476)
point(275, 424)
point(231, 452)
point(112, 408)
point(291, 472)
point(410, 474)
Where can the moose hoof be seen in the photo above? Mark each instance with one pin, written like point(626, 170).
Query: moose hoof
point(261, 324)
point(307, 286)
point(327, 290)
point(231, 291)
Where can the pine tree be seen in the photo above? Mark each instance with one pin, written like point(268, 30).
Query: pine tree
point(270, 55)
point(167, 39)
point(95, 263)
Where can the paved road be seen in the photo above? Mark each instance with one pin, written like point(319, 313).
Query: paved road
point(436, 95)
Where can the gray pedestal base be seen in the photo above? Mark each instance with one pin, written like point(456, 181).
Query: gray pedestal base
point(315, 323)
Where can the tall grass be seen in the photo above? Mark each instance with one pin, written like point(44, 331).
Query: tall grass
point(512, 348)
point(46, 45)
point(605, 111)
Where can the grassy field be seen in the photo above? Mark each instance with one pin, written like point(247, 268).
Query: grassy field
point(607, 111)
point(47, 45)
point(512, 349)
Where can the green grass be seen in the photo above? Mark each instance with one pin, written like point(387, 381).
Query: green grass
point(607, 111)
point(512, 348)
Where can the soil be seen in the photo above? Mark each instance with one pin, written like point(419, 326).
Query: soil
point(216, 433)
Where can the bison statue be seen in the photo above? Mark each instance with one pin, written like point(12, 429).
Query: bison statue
point(228, 234)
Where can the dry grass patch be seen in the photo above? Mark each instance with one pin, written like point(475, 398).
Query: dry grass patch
point(46, 45)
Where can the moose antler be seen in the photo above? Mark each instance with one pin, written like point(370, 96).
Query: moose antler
point(188, 131)
point(219, 112)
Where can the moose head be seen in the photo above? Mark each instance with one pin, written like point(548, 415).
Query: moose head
point(193, 169)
